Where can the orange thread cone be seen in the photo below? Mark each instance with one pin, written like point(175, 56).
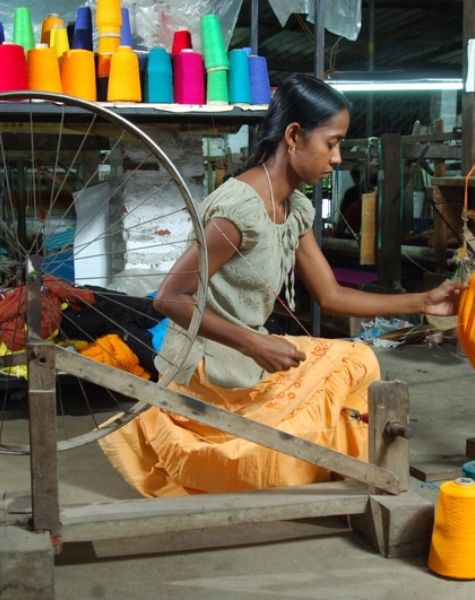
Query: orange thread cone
point(78, 74)
point(43, 70)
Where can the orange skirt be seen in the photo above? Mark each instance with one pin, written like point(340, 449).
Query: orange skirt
point(163, 454)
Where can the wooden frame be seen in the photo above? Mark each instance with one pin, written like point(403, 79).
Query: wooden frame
point(374, 494)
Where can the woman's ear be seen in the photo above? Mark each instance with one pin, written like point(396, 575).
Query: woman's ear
point(292, 133)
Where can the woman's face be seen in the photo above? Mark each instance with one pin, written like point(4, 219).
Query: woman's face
point(317, 152)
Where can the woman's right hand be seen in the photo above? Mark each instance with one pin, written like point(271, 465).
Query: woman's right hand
point(273, 353)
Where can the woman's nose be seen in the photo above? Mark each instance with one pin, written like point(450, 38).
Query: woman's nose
point(335, 158)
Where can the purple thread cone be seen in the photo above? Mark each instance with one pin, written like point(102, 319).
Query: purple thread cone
point(125, 29)
point(82, 39)
point(259, 76)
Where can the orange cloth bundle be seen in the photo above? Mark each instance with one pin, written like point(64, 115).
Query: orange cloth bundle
point(112, 350)
point(466, 321)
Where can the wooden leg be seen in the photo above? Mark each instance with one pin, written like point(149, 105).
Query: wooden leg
point(470, 448)
point(398, 525)
point(42, 408)
point(389, 428)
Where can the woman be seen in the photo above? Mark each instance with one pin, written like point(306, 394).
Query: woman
point(258, 228)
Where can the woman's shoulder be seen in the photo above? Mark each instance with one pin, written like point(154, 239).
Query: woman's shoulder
point(302, 209)
point(239, 203)
point(231, 188)
point(232, 198)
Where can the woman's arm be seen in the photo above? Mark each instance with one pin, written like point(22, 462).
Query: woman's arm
point(334, 298)
point(175, 299)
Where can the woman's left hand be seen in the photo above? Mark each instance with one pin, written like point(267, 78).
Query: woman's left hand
point(443, 300)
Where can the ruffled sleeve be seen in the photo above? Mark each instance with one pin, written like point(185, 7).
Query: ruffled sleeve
point(302, 212)
point(239, 203)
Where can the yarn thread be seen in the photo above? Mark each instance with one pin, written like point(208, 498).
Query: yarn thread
point(59, 39)
point(47, 25)
point(126, 29)
point(82, 36)
point(452, 551)
point(23, 28)
point(181, 41)
point(158, 76)
point(124, 77)
point(189, 77)
point(239, 79)
point(468, 469)
point(43, 70)
point(214, 49)
point(13, 74)
point(259, 77)
point(78, 74)
point(217, 86)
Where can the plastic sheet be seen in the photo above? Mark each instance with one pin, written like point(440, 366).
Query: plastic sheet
point(341, 18)
point(39, 10)
point(154, 22)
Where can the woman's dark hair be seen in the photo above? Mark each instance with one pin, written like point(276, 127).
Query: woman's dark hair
point(299, 99)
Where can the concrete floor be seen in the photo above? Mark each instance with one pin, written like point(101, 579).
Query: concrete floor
point(334, 563)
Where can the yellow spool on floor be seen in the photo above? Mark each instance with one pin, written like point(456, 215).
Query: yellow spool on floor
point(452, 551)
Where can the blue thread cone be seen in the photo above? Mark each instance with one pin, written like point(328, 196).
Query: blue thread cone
point(259, 75)
point(239, 81)
point(125, 29)
point(70, 31)
point(143, 60)
point(158, 77)
point(82, 38)
point(468, 469)
point(2, 33)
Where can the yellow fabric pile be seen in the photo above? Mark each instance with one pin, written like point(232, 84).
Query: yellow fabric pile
point(112, 350)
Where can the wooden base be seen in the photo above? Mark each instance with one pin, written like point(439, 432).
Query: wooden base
point(397, 525)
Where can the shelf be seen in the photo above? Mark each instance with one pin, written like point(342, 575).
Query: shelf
point(142, 113)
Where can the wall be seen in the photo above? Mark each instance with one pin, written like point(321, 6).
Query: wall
point(145, 242)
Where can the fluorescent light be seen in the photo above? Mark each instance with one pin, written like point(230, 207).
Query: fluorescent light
point(388, 86)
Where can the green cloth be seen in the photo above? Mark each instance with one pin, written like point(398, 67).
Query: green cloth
point(244, 290)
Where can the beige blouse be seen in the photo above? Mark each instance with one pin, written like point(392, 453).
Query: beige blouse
point(244, 290)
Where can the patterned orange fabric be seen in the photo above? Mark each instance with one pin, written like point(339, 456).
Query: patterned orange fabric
point(161, 454)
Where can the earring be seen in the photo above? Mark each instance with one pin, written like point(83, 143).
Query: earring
point(291, 149)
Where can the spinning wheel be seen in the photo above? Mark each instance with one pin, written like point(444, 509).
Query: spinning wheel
point(48, 166)
point(72, 222)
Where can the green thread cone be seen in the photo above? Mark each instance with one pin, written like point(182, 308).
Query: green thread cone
point(23, 28)
point(217, 86)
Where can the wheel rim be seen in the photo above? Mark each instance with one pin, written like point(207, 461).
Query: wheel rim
point(42, 217)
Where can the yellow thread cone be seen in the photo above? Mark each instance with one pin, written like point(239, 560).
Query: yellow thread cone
point(452, 551)
point(59, 40)
point(124, 77)
point(108, 43)
point(47, 25)
point(108, 14)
